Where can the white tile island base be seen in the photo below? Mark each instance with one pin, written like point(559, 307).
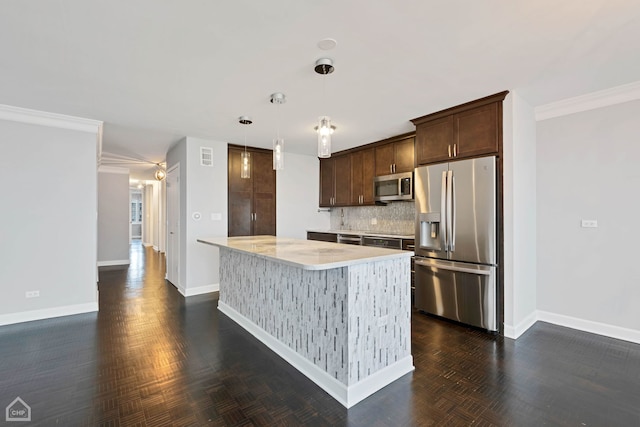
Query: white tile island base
point(346, 327)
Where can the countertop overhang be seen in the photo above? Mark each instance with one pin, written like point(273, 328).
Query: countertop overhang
point(305, 254)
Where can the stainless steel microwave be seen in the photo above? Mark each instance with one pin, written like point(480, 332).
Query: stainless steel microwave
point(398, 186)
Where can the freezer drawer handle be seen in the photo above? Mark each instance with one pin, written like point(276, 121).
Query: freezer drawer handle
point(453, 268)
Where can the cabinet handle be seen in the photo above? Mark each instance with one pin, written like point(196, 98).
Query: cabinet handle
point(449, 149)
point(255, 216)
point(455, 150)
point(391, 168)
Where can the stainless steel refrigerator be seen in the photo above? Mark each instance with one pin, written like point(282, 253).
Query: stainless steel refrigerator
point(456, 253)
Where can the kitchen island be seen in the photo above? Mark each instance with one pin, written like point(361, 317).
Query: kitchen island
point(340, 314)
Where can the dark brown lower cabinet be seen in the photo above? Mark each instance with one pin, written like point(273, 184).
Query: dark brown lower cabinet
point(251, 201)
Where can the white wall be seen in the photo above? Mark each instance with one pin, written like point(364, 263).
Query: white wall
point(204, 191)
point(113, 216)
point(297, 197)
point(48, 220)
point(520, 205)
point(587, 169)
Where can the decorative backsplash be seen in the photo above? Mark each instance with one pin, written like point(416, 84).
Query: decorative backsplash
point(394, 218)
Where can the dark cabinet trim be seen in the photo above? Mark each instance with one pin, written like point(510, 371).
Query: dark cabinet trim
point(497, 97)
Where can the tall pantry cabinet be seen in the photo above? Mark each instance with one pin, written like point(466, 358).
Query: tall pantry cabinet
point(252, 201)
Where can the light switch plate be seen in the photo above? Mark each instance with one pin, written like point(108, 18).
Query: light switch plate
point(216, 216)
point(590, 223)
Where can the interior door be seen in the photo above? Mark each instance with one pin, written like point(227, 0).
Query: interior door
point(173, 226)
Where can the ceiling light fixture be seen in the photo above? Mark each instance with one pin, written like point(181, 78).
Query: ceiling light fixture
point(325, 129)
point(160, 173)
point(278, 143)
point(245, 156)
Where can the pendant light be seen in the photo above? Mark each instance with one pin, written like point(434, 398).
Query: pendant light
point(278, 143)
point(160, 173)
point(245, 156)
point(324, 129)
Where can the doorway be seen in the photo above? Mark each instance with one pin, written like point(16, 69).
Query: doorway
point(135, 219)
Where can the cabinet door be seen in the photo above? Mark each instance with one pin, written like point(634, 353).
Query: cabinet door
point(357, 178)
point(384, 159)
point(239, 214)
point(368, 173)
point(403, 151)
point(343, 180)
point(477, 131)
point(264, 194)
point(239, 194)
point(434, 140)
point(327, 175)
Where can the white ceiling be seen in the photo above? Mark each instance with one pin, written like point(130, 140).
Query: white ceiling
point(157, 70)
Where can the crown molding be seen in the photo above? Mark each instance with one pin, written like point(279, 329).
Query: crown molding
point(43, 118)
point(113, 169)
point(590, 101)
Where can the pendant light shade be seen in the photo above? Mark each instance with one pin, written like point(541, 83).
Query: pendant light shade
point(278, 154)
point(245, 156)
point(160, 173)
point(324, 129)
point(278, 142)
point(245, 168)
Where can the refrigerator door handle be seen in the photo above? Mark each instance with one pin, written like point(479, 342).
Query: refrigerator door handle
point(452, 225)
point(443, 212)
point(460, 269)
point(449, 211)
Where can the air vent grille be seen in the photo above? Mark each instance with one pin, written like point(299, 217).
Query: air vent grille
point(206, 156)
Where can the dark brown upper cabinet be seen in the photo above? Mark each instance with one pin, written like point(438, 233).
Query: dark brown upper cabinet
point(335, 181)
point(469, 130)
point(252, 201)
point(395, 156)
point(362, 174)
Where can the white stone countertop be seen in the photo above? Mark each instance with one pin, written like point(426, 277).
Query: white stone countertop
point(363, 233)
point(305, 254)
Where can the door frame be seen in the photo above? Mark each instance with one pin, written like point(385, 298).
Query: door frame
point(173, 240)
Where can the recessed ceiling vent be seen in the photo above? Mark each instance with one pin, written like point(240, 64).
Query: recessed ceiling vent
point(206, 156)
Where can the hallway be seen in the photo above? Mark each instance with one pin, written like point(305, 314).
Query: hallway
point(150, 357)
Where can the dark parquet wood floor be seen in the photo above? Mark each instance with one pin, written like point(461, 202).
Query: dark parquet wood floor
point(153, 358)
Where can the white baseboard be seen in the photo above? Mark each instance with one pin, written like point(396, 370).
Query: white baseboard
point(113, 262)
point(146, 245)
point(47, 313)
point(207, 289)
point(155, 248)
point(514, 332)
point(346, 395)
point(598, 328)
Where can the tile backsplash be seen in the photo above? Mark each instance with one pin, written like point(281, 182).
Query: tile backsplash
point(394, 218)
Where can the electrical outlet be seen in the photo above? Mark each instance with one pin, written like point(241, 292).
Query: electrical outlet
point(32, 294)
point(374, 221)
point(590, 223)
